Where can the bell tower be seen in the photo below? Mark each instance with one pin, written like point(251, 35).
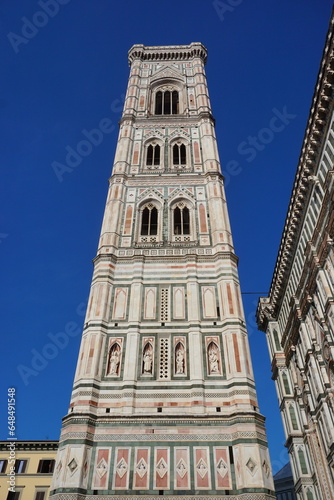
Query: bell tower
point(164, 401)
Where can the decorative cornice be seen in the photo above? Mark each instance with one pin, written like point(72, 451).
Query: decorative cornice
point(167, 52)
point(170, 421)
point(30, 445)
point(317, 125)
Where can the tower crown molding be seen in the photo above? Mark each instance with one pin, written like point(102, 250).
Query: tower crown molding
point(167, 52)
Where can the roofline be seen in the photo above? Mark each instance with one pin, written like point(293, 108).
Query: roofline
point(29, 445)
point(167, 52)
point(315, 133)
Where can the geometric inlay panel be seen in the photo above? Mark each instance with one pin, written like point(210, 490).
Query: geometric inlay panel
point(251, 466)
point(121, 468)
point(222, 468)
point(141, 468)
point(181, 468)
point(72, 465)
point(161, 467)
point(102, 468)
point(202, 468)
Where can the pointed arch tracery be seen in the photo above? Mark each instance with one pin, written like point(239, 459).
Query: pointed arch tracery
point(182, 224)
point(149, 228)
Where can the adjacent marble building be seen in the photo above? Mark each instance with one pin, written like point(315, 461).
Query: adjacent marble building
point(298, 315)
point(164, 400)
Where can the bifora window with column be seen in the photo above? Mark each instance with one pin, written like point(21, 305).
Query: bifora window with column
point(153, 155)
point(149, 230)
point(179, 155)
point(182, 225)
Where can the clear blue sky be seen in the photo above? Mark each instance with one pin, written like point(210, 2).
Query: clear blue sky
point(66, 75)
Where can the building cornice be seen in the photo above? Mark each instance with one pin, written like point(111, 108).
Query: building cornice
point(167, 52)
point(316, 129)
point(30, 445)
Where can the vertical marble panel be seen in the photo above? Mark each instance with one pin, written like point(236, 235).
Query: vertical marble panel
point(222, 468)
point(120, 301)
point(121, 469)
point(182, 469)
point(141, 472)
point(236, 352)
point(161, 468)
point(202, 219)
point(81, 356)
point(229, 298)
point(128, 220)
point(209, 302)
point(202, 468)
point(150, 303)
point(196, 152)
point(101, 468)
point(135, 159)
point(90, 355)
point(135, 309)
point(178, 303)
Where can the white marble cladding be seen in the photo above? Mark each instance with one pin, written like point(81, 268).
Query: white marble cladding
point(165, 334)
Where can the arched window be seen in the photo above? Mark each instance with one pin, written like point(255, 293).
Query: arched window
point(149, 221)
point(153, 155)
point(293, 418)
point(286, 383)
point(179, 154)
point(302, 461)
point(277, 342)
point(309, 495)
point(181, 222)
point(167, 102)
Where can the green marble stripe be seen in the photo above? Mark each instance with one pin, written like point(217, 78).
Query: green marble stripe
point(138, 386)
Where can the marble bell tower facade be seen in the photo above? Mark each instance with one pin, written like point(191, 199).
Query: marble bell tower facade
point(164, 401)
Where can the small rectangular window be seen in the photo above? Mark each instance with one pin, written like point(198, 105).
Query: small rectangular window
point(20, 466)
point(46, 466)
point(40, 495)
point(13, 495)
point(3, 466)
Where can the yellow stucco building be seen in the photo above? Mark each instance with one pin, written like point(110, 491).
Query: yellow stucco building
point(26, 469)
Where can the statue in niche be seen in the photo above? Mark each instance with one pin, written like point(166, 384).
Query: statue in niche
point(179, 359)
point(213, 358)
point(114, 359)
point(147, 359)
